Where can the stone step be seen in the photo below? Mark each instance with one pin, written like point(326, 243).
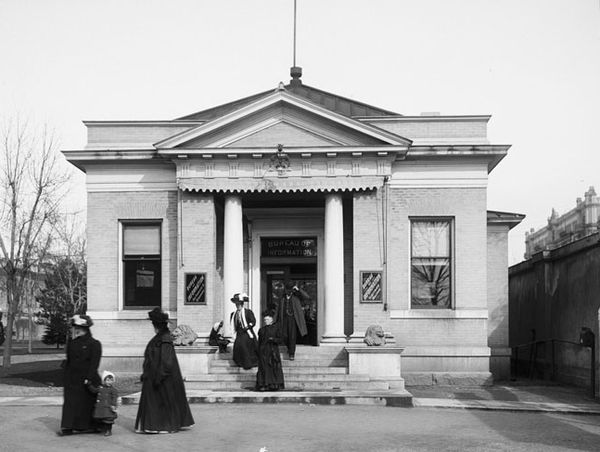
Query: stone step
point(322, 352)
point(288, 370)
point(290, 385)
point(287, 363)
point(392, 398)
point(251, 375)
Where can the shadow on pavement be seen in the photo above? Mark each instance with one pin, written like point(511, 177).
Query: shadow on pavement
point(560, 434)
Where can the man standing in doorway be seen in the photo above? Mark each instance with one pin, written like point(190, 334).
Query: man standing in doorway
point(290, 316)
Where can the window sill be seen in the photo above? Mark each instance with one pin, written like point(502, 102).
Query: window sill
point(133, 314)
point(439, 314)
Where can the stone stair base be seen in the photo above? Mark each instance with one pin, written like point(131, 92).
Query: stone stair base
point(372, 398)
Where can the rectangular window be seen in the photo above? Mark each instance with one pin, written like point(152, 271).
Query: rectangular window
point(431, 261)
point(141, 265)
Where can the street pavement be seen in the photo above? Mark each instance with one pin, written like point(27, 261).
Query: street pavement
point(294, 427)
point(517, 415)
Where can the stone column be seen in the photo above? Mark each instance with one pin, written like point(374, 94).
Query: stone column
point(233, 252)
point(334, 270)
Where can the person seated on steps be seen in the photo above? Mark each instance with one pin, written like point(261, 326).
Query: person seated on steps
point(216, 338)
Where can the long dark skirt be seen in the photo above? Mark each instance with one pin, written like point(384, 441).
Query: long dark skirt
point(245, 351)
point(78, 408)
point(163, 408)
point(270, 374)
point(163, 404)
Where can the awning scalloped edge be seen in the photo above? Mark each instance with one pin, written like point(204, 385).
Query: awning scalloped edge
point(280, 184)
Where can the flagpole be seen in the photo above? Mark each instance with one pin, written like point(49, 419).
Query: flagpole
point(294, 33)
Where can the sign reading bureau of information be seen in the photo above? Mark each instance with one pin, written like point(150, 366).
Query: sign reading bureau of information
point(289, 247)
point(370, 283)
point(195, 288)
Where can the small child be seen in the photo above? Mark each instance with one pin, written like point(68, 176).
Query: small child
point(216, 338)
point(105, 411)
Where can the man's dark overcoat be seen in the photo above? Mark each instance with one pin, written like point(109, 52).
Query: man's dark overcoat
point(295, 305)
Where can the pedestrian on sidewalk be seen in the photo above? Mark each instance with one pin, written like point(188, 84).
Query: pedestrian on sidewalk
point(80, 368)
point(2, 337)
point(216, 338)
point(245, 346)
point(270, 374)
point(290, 316)
point(163, 406)
point(105, 411)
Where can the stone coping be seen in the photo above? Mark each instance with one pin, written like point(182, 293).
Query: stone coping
point(138, 350)
point(199, 349)
point(384, 349)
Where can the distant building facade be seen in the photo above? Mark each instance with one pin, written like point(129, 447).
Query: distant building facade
point(579, 222)
point(380, 217)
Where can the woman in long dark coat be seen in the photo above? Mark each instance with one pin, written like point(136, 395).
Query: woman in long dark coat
point(163, 404)
point(80, 369)
point(245, 347)
point(270, 374)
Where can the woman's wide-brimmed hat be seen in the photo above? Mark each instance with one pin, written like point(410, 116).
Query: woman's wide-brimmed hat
point(269, 313)
point(158, 316)
point(240, 298)
point(81, 320)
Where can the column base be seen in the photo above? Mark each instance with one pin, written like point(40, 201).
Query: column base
point(333, 340)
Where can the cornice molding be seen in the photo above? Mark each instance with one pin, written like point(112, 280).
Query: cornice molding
point(452, 118)
point(116, 123)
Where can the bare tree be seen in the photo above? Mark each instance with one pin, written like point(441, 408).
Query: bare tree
point(71, 248)
point(32, 183)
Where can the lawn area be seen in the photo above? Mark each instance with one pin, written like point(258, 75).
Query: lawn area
point(41, 374)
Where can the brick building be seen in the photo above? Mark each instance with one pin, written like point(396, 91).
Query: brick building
point(381, 217)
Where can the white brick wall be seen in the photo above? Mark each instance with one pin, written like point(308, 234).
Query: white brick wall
point(105, 210)
point(497, 265)
point(468, 208)
point(198, 255)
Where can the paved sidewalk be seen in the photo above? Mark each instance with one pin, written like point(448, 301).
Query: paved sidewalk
point(526, 395)
point(514, 396)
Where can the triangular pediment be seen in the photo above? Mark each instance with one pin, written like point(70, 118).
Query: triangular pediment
point(284, 132)
point(282, 118)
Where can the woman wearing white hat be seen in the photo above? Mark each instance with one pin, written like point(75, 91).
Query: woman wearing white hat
point(80, 369)
point(245, 347)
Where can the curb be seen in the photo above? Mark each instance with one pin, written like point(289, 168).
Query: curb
point(399, 399)
point(497, 405)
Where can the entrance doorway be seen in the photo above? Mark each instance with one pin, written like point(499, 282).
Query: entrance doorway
point(303, 275)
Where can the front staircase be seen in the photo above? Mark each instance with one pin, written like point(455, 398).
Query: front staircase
point(314, 369)
point(318, 375)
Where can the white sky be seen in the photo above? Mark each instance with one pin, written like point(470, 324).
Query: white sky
point(533, 65)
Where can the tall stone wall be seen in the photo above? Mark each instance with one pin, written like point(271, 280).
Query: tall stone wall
point(555, 294)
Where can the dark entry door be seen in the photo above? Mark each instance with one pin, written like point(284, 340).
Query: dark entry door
point(305, 277)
